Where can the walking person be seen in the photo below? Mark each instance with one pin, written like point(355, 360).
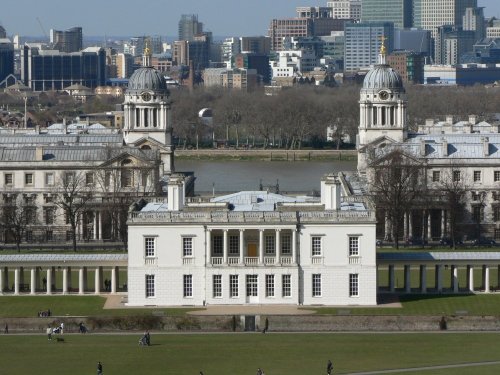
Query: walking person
point(6, 330)
point(329, 367)
point(99, 368)
point(49, 332)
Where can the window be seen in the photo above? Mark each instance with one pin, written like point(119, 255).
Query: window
point(89, 178)
point(28, 179)
point(497, 234)
point(234, 245)
point(436, 176)
point(316, 285)
point(477, 176)
point(286, 285)
point(477, 214)
point(456, 176)
point(187, 246)
point(353, 246)
point(150, 286)
point(286, 244)
point(8, 179)
point(233, 286)
point(252, 285)
point(496, 213)
point(145, 178)
point(188, 285)
point(316, 246)
point(269, 285)
point(47, 198)
point(107, 179)
point(149, 246)
point(48, 214)
point(217, 245)
point(49, 179)
point(270, 244)
point(353, 285)
point(217, 286)
point(69, 235)
point(496, 176)
point(49, 235)
point(126, 178)
point(476, 196)
point(29, 235)
point(69, 178)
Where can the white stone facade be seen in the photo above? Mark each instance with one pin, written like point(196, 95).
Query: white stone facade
point(286, 252)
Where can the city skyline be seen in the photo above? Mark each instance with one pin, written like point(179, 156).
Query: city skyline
point(125, 18)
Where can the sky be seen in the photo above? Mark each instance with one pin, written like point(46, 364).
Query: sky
point(154, 17)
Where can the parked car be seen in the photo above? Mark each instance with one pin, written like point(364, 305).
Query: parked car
point(416, 242)
point(484, 241)
point(449, 242)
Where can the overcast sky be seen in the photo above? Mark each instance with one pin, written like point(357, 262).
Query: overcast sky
point(154, 17)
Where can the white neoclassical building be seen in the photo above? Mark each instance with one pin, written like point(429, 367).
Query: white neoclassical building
point(253, 247)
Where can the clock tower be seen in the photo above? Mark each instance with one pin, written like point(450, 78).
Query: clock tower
point(382, 109)
point(147, 112)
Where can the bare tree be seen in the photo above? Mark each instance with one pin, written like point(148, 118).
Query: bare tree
point(18, 213)
point(453, 187)
point(73, 193)
point(397, 183)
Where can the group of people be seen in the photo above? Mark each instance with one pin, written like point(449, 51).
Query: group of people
point(107, 285)
point(44, 313)
point(57, 330)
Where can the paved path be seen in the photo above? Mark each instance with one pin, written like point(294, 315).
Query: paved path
point(427, 368)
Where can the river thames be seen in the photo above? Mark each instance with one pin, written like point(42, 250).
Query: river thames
point(231, 176)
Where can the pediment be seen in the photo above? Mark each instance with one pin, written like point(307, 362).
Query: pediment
point(379, 142)
point(147, 141)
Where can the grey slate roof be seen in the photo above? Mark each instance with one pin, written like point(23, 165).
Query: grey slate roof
point(67, 139)
point(440, 256)
point(62, 257)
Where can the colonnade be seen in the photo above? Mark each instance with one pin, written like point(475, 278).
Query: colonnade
point(42, 280)
point(244, 257)
point(425, 227)
point(456, 285)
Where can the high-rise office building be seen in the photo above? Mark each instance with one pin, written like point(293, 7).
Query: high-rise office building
point(189, 27)
point(400, 12)
point(363, 42)
point(473, 20)
point(6, 58)
point(313, 12)
point(451, 43)
point(431, 14)
point(45, 70)
point(70, 40)
point(3, 33)
point(345, 9)
point(256, 44)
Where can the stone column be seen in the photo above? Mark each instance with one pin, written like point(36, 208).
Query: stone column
point(261, 246)
point(97, 282)
point(454, 278)
point(81, 288)
point(65, 280)
point(470, 278)
point(99, 218)
point(410, 224)
point(405, 225)
point(487, 279)
point(443, 223)
point(224, 245)
point(242, 245)
point(113, 280)
point(209, 245)
point(429, 226)
point(94, 227)
point(407, 278)
point(16, 281)
point(33, 281)
point(85, 279)
point(439, 278)
point(387, 234)
point(1, 280)
point(423, 278)
point(294, 246)
point(277, 246)
point(49, 280)
point(392, 287)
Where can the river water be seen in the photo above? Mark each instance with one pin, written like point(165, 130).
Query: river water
point(231, 176)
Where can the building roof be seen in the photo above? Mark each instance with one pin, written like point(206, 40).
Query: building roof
point(382, 76)
point(147, 79)
point(255, 200)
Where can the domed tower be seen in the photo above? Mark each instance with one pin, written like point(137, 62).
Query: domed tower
point(147, 112)
point(382, 104)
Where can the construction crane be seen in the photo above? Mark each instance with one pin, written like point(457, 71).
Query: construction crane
point(41, 27)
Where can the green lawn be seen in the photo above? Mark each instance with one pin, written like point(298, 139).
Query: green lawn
point(28, 306)
point(277, 354)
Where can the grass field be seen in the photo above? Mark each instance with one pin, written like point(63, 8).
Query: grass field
point(277, 354)
point(28, 306)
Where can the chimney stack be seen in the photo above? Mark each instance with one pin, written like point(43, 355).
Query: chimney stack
point(486, 146)
point(175, 193)
point(445, 146)
point(331, 192)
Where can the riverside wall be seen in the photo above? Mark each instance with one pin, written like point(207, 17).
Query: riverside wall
point(276, 323)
